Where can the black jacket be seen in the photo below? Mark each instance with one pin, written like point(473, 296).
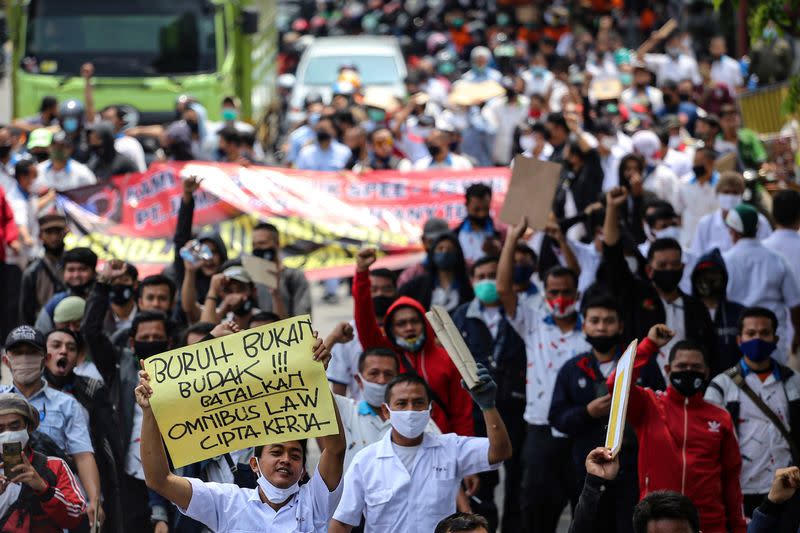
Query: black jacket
point(421, 287)
point(642, 308)
point(39, 279)
point(586, 185)
point(109, 162)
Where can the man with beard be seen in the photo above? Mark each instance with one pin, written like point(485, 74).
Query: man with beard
point(45, 275)
point(79, 274)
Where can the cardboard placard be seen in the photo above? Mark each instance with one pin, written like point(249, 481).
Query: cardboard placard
point(261, 270)
point(454, 344)
point(726, 162)
point(255, 387)
point(466, 93)
point(619, 400)
point(530, 192)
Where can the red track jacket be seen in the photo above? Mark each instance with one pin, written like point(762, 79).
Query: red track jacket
point(686, 445)
point(432, 362)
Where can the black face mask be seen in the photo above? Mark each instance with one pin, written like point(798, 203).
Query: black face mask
point(58, 381)
point(81, 290)
point(381, 304)
point(709, 287)
point(145, 349)
point(669, 100)
point(41, 157)
point(324, 136)
point(244, 308)
point(478, 221)
point(667, 280)
point(684, 97)
point(194, 127)
point(687, 382)
point(604, 343)
point(55, 250)
point(266, 253)
point(4, 151)
point(434, 150)
point(699, 170)
point(121, 294)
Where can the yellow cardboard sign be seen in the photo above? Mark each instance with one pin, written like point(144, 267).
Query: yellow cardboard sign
point(252, 388)
point(619, 400)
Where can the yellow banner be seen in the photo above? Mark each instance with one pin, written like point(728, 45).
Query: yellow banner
point(256, 387)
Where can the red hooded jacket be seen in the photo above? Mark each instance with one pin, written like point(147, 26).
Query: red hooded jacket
point(432, 362)
point(686, 445)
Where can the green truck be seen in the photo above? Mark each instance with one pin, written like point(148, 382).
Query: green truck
point(146, 53)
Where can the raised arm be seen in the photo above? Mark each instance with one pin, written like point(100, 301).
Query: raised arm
point(157, 474)
point(505, 268)
point(554, 231)
point(87, 71)
point(183, 228)
point(104, 354)
point(331, 462)
point(194, 311)
point(369, 333)
point(484, 395)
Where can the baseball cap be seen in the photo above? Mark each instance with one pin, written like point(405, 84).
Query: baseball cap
point(50, 221)
point(14, 404)
point(743, 219)
point(237, 273)
point(435, 227)
point(25, 335)
point(69, 309)
point(40, 138)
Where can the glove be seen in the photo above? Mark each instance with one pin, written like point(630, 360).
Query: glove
point(485, 391)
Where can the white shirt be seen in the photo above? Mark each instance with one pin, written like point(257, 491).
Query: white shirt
point(547, 349)
point(787, 243)
point(343, 366)
point(362, 426)
point(684, 67)
point(492, 317)
point(727, 71)
point(133, 458)
point(73, 175)
point(452, 161)
point(588, 259)
point(693, 200)
point(712, 232)
point(762, 446)
point(471, 241)
point(663, 182)
point(651, 96)
point(226, 507)
point(132, 148)
point(504, 119)
point(393, 500)
point(759, 276)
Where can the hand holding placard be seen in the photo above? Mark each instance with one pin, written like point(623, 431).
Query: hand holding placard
point(454, 344)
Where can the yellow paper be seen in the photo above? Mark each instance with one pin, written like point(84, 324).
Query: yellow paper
point(256, 387)
point(619, 400)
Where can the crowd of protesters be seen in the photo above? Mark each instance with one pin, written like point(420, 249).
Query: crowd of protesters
point(648, 240)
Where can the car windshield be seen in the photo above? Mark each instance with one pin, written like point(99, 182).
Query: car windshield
point(373, 70)
point(131, 38)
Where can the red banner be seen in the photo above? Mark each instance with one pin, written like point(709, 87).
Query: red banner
point(324, 217)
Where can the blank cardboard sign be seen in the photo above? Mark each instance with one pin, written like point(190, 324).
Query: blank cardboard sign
point(530, 191)
point(261, 270)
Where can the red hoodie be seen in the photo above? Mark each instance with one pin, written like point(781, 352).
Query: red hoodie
point(686, 445)
point(432, 362)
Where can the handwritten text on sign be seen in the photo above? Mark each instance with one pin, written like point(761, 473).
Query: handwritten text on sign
point(255, 387)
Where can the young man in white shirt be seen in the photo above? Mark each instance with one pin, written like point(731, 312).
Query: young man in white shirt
point(785, 239)
point(408, 481)
point(279, 505)
point(697, 195)
point(724, 69)
point(758, 276)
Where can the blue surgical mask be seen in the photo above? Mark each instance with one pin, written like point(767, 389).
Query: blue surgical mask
point(522, 273)
point(758, 350)
point(445, 260)
point(70, 124)
point(229, 114)
point(413, 345)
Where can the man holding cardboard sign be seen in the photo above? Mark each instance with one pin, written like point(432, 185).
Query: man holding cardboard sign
point(687, 445)
point(279, 505)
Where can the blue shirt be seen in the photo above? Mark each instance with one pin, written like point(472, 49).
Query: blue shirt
point(297, 140)
point(313, 157)
point(61, 418)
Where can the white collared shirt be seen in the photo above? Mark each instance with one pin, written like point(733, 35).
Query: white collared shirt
point(547, 349)
point(73, 175)
point(787, 243)
point(393, 500)
point(712, 232)
point(362, 426)
point(694, 199)
point(727, 71)
point(226, 507)
point(759, 276)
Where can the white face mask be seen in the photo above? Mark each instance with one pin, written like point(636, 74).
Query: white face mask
point(373, 393)
point(672, 232)
point(20, 436)
point(274, 494)
point(728, 201)
point(409, 424)
point(608, 142)
point(527, 142)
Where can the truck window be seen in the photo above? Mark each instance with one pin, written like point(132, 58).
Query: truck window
point(373, 70)
point(132, 38)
